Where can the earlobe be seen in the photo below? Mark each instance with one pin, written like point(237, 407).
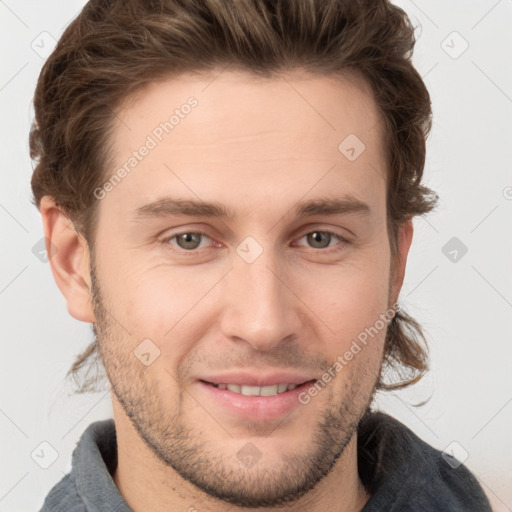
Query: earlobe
point(68, 255)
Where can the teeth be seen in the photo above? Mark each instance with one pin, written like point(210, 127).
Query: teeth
point(267, 390)
point(252, 390)
point(257, 390)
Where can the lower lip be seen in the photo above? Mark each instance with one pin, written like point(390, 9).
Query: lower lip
point(259, 408)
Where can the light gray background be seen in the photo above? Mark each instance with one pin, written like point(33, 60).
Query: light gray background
point(465, 306)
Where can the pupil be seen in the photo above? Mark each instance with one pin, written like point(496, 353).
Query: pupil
point(316, 236)
point(189, 238)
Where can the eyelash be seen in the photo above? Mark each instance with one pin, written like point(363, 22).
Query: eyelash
point(193, 252)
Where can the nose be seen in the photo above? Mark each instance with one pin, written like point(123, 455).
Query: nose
point(259, 305)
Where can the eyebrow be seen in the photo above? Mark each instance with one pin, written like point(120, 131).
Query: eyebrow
point(169, 206)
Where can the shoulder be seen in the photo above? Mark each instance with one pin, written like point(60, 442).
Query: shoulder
point(64, 497)
point(403, 472)
point(89, 485)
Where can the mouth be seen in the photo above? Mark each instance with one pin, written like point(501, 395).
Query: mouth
point(253, 403)
point(247, 390)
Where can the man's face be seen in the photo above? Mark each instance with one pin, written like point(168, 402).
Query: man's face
point(261, 293)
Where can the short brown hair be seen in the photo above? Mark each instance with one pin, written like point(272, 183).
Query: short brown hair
point(115, 47)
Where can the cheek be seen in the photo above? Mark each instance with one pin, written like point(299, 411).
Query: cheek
point(350, 301)
point(162, 303)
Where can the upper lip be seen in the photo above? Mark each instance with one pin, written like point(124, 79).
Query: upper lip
point(256, 378)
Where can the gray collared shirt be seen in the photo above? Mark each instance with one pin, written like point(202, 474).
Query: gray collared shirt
point(401, 472)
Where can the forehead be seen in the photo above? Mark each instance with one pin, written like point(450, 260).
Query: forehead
point(233, 134)
point(231, 104)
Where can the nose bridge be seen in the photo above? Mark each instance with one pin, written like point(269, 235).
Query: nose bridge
point(260, 307)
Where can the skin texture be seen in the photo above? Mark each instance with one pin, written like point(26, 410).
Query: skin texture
point(258, 147)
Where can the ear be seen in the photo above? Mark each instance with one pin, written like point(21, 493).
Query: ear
point(68, 255)
point(405, 234)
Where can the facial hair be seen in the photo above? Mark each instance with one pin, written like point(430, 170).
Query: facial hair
point(163, 426)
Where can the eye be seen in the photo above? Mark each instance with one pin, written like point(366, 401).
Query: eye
point(189, 241)
point(321, 240)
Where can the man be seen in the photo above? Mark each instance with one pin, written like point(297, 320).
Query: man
point(227, 190)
